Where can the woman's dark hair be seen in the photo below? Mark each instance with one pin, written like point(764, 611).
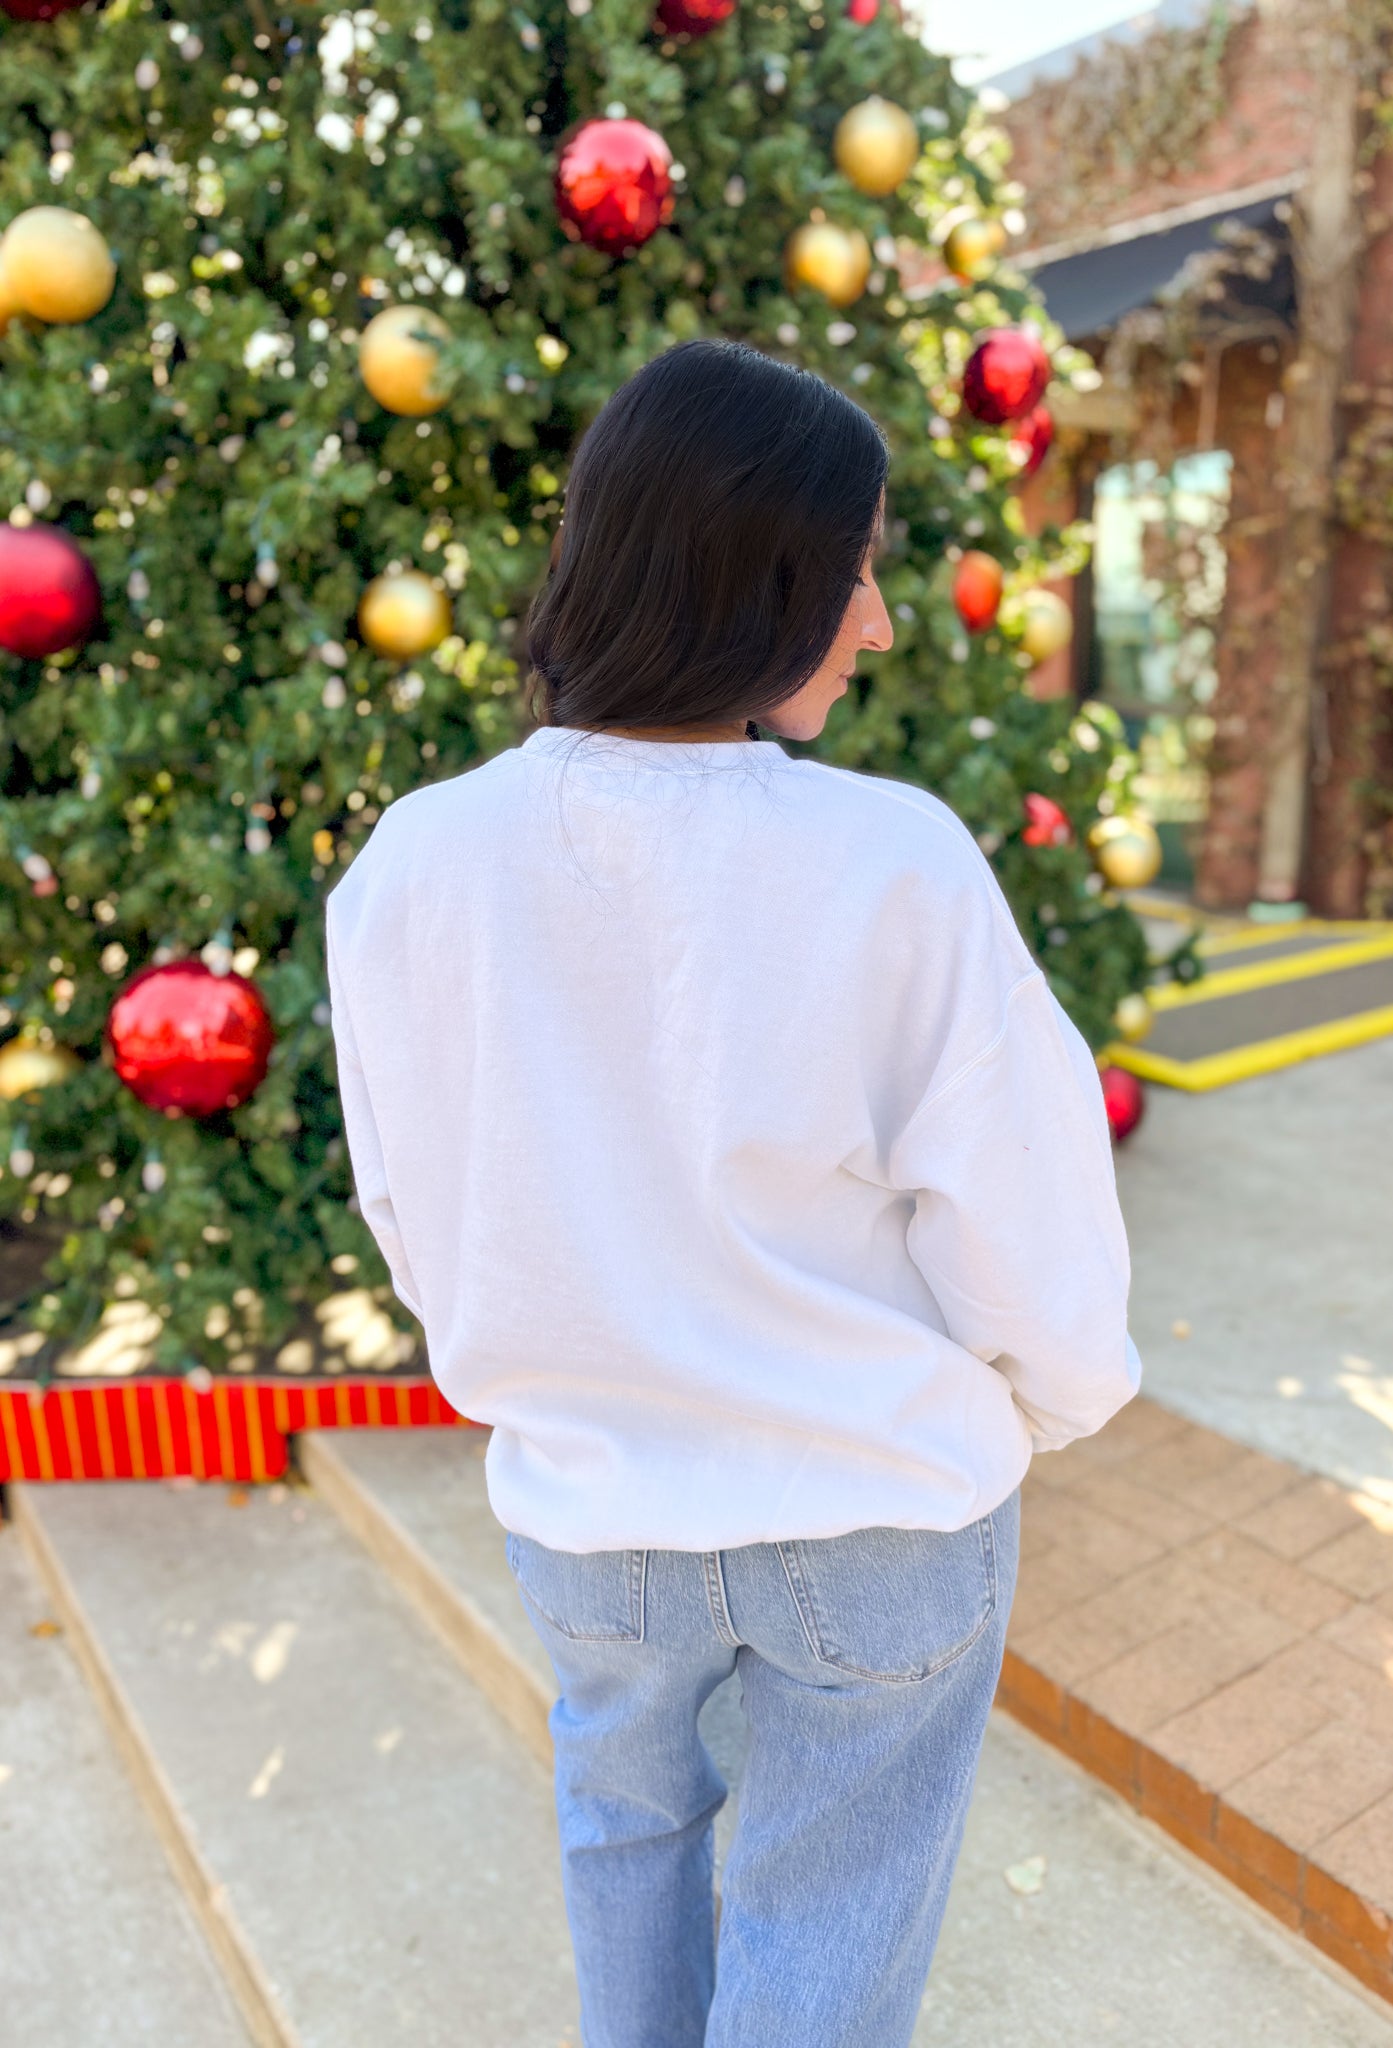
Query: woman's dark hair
point(717, 515)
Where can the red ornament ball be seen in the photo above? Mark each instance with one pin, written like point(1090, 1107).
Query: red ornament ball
point(49, 595)
point(188, 1041)
point(613, 188)
point(1034, 436)
point(1006, 376)
point(37, 10)
point(1046, 823)
point(692, 17)
point(1124, 1101)
point(977, 590)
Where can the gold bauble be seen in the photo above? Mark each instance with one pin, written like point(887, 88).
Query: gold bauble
point(57, 265)
point(1126, 851)
point(403, 615)
point(1048, 624)
point(831, 260)
point(877, 145)
point(1133, 1017)
point(972, 246)
point(25, 1064)
point(10, 308)
point(398, 365)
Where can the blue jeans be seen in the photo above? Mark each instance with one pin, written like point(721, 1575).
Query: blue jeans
point(867, 1664)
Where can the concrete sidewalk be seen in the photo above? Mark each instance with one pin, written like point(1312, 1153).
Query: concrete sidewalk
point(1260, 1218)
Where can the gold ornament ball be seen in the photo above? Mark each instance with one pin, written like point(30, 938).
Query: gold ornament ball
point(1047, 624)
point(56, 265)
point(1126, 851)
point(10, 308)
point(877, 145)
point(398, 364)
point(25, 1065)
point(403, 615)
point(972, 246)
point(1133, 1017)
point(831, 260)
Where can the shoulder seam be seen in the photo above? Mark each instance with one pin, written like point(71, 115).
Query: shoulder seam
point(1033, 974)
point(893, 796)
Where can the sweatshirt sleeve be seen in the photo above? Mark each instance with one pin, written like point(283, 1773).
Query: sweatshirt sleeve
point(364, 1143)
point(1016, 1223)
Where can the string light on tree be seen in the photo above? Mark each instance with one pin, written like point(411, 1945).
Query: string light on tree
point(403, 614)
point(613, 185)
point(876, 145)
point(56, 265)
point(398, 357)
point(187, 1041)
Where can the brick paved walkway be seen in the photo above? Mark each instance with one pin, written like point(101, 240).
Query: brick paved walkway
point(1210, 1630)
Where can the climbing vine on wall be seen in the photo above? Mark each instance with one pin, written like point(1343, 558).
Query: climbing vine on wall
point(1135, 109)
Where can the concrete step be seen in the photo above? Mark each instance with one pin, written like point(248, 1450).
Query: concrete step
point(1127, 1939)
point(371, 1853)
point(1129, 1942)
point(418, 1500)
point(100, 1948)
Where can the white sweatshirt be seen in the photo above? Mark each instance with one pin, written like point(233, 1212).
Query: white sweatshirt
point(722, 1131)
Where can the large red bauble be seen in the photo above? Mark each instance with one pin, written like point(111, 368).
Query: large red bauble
point(692, 17)
point(37, 10)
point(1046, 823)
point(1035, 435)
point(1006, 376)
point(977, 590)
point(613, 188)
point(49, 595)
point(188, 1041)
point(1124, 1101)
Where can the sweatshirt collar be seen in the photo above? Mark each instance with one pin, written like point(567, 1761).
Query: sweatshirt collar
point(575, 743)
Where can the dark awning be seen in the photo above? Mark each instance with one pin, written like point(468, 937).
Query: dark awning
point(1088, 293)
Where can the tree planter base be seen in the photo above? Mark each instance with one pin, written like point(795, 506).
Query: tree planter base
point(167, 1429)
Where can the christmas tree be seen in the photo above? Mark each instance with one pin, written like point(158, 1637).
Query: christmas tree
point(299, 384)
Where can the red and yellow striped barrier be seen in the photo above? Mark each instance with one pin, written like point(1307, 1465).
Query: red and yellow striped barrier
point(165, 1429)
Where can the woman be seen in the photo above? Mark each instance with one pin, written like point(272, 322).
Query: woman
point(722, 1131)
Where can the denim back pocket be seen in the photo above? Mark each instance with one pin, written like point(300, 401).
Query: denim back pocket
point(894, 1604)
point(593, 1596)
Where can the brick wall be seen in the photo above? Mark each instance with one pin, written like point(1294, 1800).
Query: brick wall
point(1349, 840)
point(1226, 870)
point(1264, 133)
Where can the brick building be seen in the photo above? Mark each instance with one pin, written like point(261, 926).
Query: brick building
point(1209, 215)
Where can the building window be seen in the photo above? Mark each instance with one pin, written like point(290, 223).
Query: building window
point(1158, 591)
